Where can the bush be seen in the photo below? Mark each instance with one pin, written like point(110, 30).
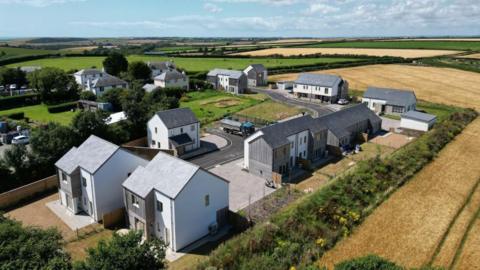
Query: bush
point(370, 262)
point(19, 101)
point(62, 107)
point(16, 116)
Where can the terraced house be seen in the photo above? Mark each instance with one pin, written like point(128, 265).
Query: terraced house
point(389, 101)
point(91, 177)
point(176, 201)
point(231, 81)
point(320, 87)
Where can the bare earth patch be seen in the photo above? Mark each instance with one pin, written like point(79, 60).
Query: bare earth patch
point(223, 102)
point(405, 53)
point(439, 85)
point(410, 225)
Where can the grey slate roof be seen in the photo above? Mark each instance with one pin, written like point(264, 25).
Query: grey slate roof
point(338, 121)
point(325, 80)
point(149, 87)
point(235, 74)
point(161, 65)
point(258, 67)
point(89, 71)
point(90, 155)
point(165, 173)
point(170, 74)
point(391, 96)
point(419, 116)
point(108, 80)
point(276, 135)
point(181, 139)
point(177, 117)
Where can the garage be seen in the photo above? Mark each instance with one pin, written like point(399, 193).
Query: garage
point(417, 121)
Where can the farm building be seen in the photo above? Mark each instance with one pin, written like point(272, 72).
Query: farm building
point(389, 101)
point(91, 177)
point(175, 129)
point(320, 87)
point(231, 81)
point(176, 201)
point(257, 75)
point(417, 121)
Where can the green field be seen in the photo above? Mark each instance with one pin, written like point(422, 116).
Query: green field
point(10, 52)
point(190, 64)
point(39, 113)
point(212, 105)
point(412, 44)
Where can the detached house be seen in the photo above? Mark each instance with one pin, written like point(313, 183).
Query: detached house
point(158, 68)
point(280, 147)
point(257, 75)
point(91, 177)
point(175, 129)
point(320, 87)
point(171, 78)
point(84, 76)
point(175, 201)
point(231, 81)
point(99, 85)
point(389, 101)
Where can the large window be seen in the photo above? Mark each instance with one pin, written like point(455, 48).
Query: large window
point(134, 200)
point(159, 206)
point(397, 109)
point(326, 91)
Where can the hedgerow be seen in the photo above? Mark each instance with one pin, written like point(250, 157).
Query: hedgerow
point(299, 235)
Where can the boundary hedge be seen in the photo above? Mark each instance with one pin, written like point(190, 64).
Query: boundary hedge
point(62, 107)
point(300, 235)
point(12, 102)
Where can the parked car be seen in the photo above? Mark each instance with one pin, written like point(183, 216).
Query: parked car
point(21, 139)
point(343, 101)
point(13, 86)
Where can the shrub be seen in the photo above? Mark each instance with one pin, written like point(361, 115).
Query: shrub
point(62, 107)
point(19, 101)
point(370, 262)
point(16, 116)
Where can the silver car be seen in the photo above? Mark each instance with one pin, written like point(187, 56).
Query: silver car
point(21, 139)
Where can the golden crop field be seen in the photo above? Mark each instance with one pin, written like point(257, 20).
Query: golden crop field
point(428, 217)
point(405, 53)
point(472, 56)
point(439, 85)
point(290, 40)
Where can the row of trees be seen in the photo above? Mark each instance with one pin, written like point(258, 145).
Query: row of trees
point(117, 65)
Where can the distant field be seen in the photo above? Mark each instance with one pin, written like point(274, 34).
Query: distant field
point(79, 49)
point(428, 219)
point(439, 85)
point(473, 56)
point(412, 44)
point(405, 53)
point(190, 64)
point(9, 52)
point(39, 113)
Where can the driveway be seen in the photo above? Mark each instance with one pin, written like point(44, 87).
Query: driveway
point(283, 97)
point(232, 150)
point(244, 188)
point(388, 123)
point(3, 148)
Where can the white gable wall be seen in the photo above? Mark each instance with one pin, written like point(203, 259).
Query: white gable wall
point(246, 148)
point(108, 179)
point(161, 136)
point(163, 219)
point(192, 217)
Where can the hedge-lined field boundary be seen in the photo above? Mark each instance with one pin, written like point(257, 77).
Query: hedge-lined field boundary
point(299, 235)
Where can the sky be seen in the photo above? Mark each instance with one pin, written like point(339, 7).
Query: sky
point(238, 18)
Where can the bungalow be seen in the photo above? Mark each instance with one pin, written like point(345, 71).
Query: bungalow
point(175, 201)
point(175, 129)
point(232, 81)
point(171, 78)
point(320, 87)
point(158, 68)
point(103, 83)
point(84, 76)
point(417, 121)
point(389, 101)
point(91, 177)
point(257, 75)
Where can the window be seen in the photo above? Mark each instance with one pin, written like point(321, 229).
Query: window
point(291, 145)
point(305, 139)
point(159, 206)
point(397, 109)
point(159, 145)
point(192, 127)
point(128, 174)
point(181, 130)
point(207, 200)
point(64, 176)
point(84, 181)
point(134, 200)
point(155, 130)
point(305, 154)
point(326, 91)
point(153, 142)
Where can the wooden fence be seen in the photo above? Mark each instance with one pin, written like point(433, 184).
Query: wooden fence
point(11, 198)
point(114, 218)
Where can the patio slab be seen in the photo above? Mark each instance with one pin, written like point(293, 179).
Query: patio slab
point(73, 221)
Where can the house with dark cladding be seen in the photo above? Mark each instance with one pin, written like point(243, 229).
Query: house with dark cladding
point(231, 81)
point(257, 75)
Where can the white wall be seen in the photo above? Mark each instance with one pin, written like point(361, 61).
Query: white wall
point(371, 102)
point(315, 90)
point(414, 124)
point(223, 81)
point(108, 181)
point(192, 217)
point(82, 80)
point(246, 148)
point(297, 145)
point(164, 219)
point(181, 83)
point(163, 134)
point(87, 193)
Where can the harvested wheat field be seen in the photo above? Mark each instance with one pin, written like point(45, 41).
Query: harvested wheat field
point(425, 218)
point(405, 53)
point(469, 257)
point(439, 85)
point(471, 56)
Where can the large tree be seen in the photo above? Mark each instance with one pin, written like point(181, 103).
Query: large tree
point(17, 158)
point(139, 71)
point(115, 96)
point(125, 252)
point(136, 109)
point(53, 84)
point(115, 63)
point(89, 123)
point(12, 76)
point(30, 248)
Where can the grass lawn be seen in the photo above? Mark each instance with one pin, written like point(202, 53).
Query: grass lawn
point(212, 105)
point(190, 64)
point(39, 113)
point(409, 44)
point(271, 111)
point(77, 249)
point(10, 52)
point(440, 110)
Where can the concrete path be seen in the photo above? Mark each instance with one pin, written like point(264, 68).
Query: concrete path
point(73, 221)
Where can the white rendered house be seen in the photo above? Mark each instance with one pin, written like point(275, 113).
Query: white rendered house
point(91, 177)
point(171, 78)
point(100, 85)
point(175, 201)
point(175, 129)
point(83, 76)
